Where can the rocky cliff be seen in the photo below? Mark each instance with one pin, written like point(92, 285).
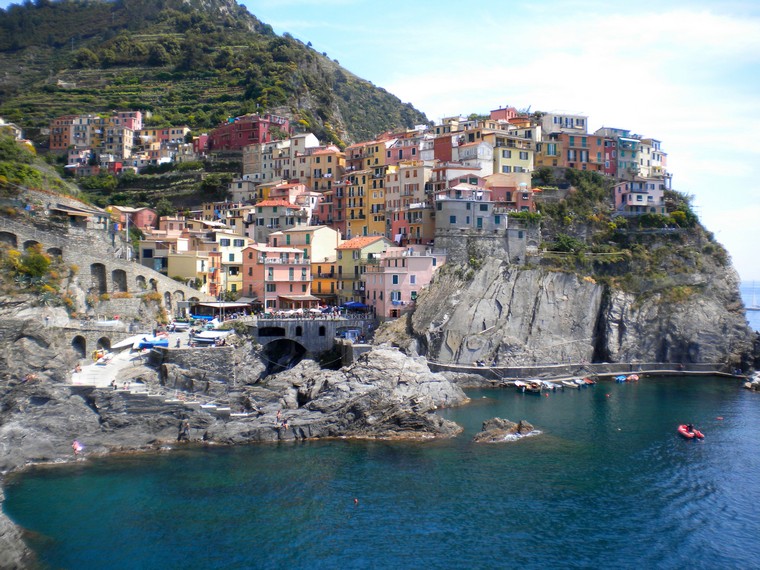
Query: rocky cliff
point(516, 316)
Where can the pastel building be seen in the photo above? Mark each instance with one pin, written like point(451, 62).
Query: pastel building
point(393, 281)
point(466, 207)
point(270, 216)
point(352, 259)
point(641, 196)
point(242, 131)
point(278, 277)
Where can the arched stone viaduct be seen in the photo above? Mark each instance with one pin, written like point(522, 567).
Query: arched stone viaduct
point(86, 339)
point(315, 335)
point(98, 267)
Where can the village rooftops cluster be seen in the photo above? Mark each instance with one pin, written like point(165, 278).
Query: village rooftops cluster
point(309, 224)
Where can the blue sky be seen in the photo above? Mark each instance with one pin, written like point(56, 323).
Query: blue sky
point(684, 72)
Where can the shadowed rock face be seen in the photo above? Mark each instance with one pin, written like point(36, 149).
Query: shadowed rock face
point(519, 317)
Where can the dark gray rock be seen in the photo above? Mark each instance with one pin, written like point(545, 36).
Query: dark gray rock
point(498, 430)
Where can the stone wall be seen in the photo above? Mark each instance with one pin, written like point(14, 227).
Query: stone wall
point(510, 245)
point(216, 363)
point(99, 272)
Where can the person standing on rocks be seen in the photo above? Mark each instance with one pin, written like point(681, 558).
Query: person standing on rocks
point(184, 431)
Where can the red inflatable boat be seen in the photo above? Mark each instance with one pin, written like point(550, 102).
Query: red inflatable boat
point(690, 433)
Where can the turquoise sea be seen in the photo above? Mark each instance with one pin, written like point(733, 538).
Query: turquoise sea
point(607, 484)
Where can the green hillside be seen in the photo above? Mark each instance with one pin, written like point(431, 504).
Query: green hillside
point(185, 62)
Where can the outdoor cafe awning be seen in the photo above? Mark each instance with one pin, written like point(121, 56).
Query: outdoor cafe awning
point(224, 305)
point(298, 298)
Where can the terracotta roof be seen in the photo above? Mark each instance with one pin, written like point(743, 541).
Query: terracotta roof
point(359, 242)
point(327, 150)
point(274, 203)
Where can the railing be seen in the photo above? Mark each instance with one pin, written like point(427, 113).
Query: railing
point(278, 261)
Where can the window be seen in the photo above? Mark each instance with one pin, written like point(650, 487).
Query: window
point(290, 274)
point(308, 239)
point(412, 279)
point(147, 253)
point(232, 257)
point(238, 243)
point(224, 242)
point(506, 169)
point(523, 155)
point(452, 219)
point(303, 274)
point(287, 239)
point(506, 154)
point(250, 272)
point(395, 280)
point(271, 287)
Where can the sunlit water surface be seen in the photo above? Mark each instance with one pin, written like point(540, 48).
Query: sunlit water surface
point(607, 484)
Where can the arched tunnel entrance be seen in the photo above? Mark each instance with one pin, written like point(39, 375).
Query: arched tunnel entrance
point(282, 354)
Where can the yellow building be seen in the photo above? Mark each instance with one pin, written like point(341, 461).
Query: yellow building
point(230, 246)
point(190, 266)
point(324, 280)
point(356, 208)
point(511, 152)
point(352, 259)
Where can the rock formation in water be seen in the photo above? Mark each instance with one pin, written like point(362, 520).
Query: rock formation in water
point(498, 430)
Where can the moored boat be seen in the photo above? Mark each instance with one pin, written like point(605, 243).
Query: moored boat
point(533, 387)
point(690, 432)
point(589, 381)
point(570, 384)
point(632, 378)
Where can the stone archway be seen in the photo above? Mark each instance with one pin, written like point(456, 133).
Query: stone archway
point(179, 296)
point(79, 344)
point(99, 281)
point(9, 238)
point(282, 354)
point(141, 283)
point(153, 285)
point(119, 280)
point(55, 252)
point(168, 301)
point(31, 243)
point(104, 343)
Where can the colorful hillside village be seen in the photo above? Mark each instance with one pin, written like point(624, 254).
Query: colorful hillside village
point(308, 225)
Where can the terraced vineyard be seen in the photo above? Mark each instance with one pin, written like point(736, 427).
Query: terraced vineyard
point(191, 62)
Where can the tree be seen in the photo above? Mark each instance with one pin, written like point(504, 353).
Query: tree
point(86, 58)
point(164, 208)
point(159, 56)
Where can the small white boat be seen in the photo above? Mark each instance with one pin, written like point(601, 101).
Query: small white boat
point(570, 384)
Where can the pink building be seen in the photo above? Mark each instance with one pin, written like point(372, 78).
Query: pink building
point(172, 223)
point(392, 285)
point(279, 277)
point(246, 130)
point(511, 191)
point(138, 217)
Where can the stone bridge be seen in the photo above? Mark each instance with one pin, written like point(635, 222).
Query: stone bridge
point(86, 338)
point(100, 271)
point(311, 335)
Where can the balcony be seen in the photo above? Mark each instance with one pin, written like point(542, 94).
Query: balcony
point(278, 261)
